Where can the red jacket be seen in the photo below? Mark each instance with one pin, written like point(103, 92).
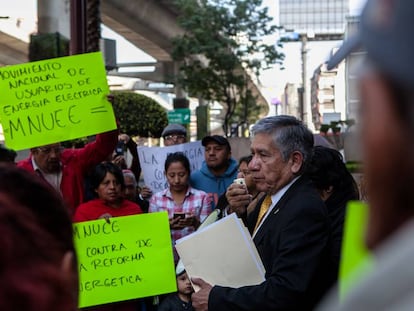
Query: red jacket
point(76, 163)
point(97, 208)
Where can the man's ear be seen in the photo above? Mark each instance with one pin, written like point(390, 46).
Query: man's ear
point(296, 159)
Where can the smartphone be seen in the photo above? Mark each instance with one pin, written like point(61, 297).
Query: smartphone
point(119, 149)
point(239, 181)
point(179, 215)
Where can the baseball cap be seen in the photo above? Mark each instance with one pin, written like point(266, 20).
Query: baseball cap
point(222, 141)
point(174, 129)
point(385, 32)
point(179, 269)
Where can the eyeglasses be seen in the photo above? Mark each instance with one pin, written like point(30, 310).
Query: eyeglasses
point(174, 137)
point(48, 150)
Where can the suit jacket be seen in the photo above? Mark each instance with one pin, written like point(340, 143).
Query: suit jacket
point(292, 243)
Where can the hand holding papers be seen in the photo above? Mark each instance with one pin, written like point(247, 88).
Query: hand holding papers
point(222, 253)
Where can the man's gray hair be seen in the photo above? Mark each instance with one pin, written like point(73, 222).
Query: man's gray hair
point(128, 173)
point(288, 134)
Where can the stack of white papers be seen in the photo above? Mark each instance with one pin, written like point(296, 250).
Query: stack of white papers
point(222, 253)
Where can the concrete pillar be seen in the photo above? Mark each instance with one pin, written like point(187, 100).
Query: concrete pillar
point(54, 16)
point(304, 91)
point(77, 27)
point(307, 112)
point(52, 38)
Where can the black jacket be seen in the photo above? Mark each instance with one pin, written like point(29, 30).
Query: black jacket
point(292, 243)
point(173, 303)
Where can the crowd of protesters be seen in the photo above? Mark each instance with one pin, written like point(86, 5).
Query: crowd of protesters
point(94, 182)
point(300, 193)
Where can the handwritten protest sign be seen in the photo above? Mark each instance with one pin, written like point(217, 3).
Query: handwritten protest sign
point(152, 161)
point(129, 257)
point(54, 100)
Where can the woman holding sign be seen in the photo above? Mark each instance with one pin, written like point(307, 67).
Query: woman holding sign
point(108, 184)
point(187, 207)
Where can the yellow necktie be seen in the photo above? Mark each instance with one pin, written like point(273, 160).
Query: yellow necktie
point(267, 202)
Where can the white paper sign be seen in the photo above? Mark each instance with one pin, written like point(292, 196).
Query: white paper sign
point(152, 160)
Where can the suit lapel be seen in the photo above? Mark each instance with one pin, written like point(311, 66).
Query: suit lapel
point(261, 231)
point(274, 210)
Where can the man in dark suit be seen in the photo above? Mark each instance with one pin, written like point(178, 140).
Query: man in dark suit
point(291, 234)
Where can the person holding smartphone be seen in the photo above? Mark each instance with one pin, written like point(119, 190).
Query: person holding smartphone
point(187, 207)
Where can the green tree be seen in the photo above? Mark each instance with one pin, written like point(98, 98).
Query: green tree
point(139, 115)
point(221, 49)
point(245, 113)
point(48, 45)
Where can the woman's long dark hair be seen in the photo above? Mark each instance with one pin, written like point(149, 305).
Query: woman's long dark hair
point(327, 168)
point(177, 157)
point(100, 171)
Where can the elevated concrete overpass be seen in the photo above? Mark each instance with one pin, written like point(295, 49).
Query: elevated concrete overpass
point(151, 25)
point(12, 50)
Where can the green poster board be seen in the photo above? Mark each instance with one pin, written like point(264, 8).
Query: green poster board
point(356, 259)
point(126, 258)
point(54, 100)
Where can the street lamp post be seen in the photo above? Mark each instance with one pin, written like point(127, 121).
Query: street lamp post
point(77, 27)
point(304, 91)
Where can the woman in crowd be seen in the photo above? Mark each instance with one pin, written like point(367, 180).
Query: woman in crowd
point(186, 206)
point(108, 185)
point(336, 187)
point(245, 175)
point(107, 182)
